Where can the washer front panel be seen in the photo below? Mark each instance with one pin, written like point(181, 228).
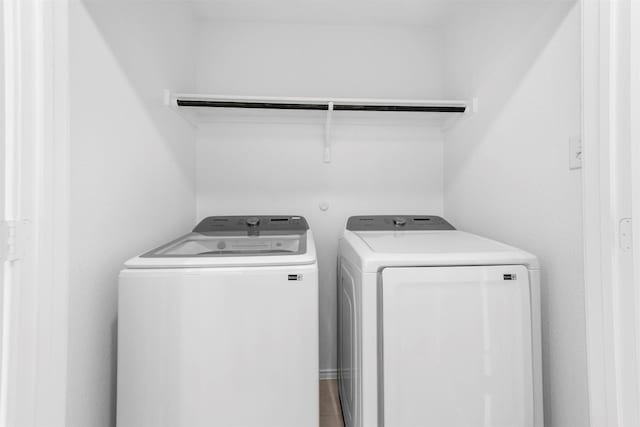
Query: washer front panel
point(218, 347)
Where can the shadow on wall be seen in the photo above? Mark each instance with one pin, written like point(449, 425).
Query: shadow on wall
point(132, 173)
point(150, 48)
point(507, 169)
point(488, 61)
point(152, 43)
point(114, 368)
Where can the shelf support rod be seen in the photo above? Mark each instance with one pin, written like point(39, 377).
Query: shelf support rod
point(327, 134)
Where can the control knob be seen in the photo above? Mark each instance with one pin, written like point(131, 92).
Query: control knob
point(399, 221)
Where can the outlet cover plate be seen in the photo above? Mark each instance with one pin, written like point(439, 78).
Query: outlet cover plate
point(575, 152)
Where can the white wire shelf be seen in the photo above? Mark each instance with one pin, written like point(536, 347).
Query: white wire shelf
point(195, 105)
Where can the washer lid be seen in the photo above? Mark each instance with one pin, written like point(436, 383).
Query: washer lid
point(225, 245)
point(235, 241)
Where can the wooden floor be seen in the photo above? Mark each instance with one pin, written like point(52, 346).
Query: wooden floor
point(330, 412)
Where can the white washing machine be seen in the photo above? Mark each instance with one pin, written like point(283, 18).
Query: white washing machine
point(219, 328)
point(437, 327)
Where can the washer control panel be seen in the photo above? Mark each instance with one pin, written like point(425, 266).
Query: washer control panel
point(397, 222)
point(254, 223)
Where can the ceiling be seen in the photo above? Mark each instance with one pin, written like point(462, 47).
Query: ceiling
point(364, 12)
point(336, 12)
point(324, 11)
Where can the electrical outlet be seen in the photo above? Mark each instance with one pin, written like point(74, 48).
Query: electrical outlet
point(575, 152)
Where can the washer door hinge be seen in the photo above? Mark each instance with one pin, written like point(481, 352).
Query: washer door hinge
point(13, 239)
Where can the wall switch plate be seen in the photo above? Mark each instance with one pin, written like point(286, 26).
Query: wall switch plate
point(575, 152)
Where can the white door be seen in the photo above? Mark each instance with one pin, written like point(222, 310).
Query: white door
point(611, 132)
point(634, 72)
point(456, 347)
point(33, 170)
point(634, 138)
point(3, 180)
point(13, 380)
point(7, 193)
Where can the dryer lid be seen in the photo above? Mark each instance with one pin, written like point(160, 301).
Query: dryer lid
point(374, 250)
point(429, 242)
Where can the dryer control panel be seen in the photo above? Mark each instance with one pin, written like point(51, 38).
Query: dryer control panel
point(397, 222)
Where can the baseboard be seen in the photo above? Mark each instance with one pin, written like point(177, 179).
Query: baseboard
point(328, 374)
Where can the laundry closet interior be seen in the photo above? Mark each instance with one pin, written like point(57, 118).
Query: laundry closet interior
point(501, 81)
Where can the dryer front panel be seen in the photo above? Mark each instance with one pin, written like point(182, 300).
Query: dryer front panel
point(456, 347)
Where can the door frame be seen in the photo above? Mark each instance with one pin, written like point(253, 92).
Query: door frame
point(34, 380)
point(612, 303)
point(48, 21)
point(634, 134)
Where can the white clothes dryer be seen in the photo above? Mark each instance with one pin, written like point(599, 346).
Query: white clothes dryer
point(437, 327)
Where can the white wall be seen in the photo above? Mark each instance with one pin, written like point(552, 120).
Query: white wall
point(132, 178)
point(319, 60)
point(252, 162)
point(137, 176)
point(507, 169)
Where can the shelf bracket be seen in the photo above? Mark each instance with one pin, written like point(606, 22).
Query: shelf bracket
point(327, 134)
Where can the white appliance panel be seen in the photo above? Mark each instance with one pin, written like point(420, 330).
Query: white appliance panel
point(349, 345)
point(218, 347)
point(430, 242)
point(457, 347)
